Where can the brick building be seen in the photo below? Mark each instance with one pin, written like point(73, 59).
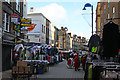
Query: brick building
point(106, 11)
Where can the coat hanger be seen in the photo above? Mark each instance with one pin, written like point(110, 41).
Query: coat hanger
point(111, 22)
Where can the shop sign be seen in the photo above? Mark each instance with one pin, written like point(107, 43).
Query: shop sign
point(14, 18)
point(37, 36)
point(17, 28)
point(25, 22)
point(24, 30)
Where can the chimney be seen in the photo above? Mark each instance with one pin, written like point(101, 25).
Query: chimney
point(69, 34)
point(62, 28)
point(31, 9)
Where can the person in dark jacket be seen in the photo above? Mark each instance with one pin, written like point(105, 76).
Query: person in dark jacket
point(84, 61)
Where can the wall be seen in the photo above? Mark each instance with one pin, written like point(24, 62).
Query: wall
point(35, 38)
point(0, 38)
point(42, 21)
point(53, 31)
point(50, 33)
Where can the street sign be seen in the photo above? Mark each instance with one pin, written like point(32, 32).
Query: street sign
point(14, 18)
point(25, 22)
point(24, 30)
point(17, 28)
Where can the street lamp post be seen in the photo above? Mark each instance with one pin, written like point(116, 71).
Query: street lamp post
point(89, 5)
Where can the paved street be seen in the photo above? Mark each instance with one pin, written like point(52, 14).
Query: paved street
point(61, 71)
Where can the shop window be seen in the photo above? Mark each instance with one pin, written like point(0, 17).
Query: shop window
point(113, 12)
point(6, 19)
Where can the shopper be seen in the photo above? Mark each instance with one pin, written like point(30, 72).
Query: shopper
point(84, 61)
point(76, 62)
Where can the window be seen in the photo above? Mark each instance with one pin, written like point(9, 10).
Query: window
point(113, 12)
point(8, 1)
point(101, 25)
point(42, 28)
point(6, 19)
point(104, 20)
point(104, 6)
point(108, 3)
point(108, 16)
point(18, 5)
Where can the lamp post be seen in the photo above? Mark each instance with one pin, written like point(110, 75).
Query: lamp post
point(89, 5)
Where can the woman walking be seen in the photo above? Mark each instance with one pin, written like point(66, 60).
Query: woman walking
point(76, 62)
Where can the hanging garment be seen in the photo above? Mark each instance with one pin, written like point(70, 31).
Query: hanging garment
point(110, 40)
point(96, 72)
point(94, 43)
point(48, 59)
point(90, 72)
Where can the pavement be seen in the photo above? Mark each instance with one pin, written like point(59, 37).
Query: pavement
point(7, 74)
point(57, 71)
point(60, 70)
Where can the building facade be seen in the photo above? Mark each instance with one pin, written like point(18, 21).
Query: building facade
point(53, 34)
point(76, 42)
point(0, 37)
point(107, 11)
point(68, 41)
point(38, 34)
point(62, 38)
point(56, 36)
point(98, 26)
point(50, 33)
point(47, 30)
point(10, 36)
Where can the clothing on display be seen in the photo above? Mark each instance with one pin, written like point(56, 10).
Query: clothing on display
point(94, 43)
point(110, 40)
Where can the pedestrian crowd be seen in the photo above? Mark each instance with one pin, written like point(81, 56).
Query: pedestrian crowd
point(76, 59)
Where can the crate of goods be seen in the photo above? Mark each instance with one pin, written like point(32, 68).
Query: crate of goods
point(14, 70)
point(21, 63)
point(21, 69)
